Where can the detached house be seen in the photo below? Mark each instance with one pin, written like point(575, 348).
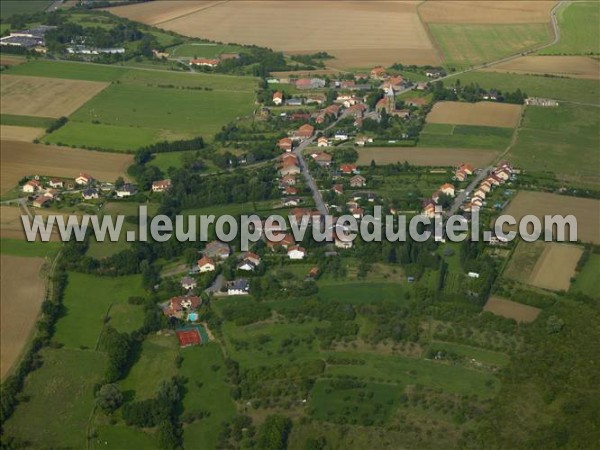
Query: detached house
point(41, 201)
point(188, 283)
point(296, 252)
point(161, 185)
point(278, 98)
point(304, 132)
point(204, 62)
point(348, 169)
point(285, 144)
point(83, 179)
point(126, 190)
point(322, 142)
point(287, 241)
point(32, 186)
point(217, 249)
point(56, 183)
point(178, 306)
point(358, 181)
point(238, 287)
point(206, 264)
point(447, 189)
point(90, 194)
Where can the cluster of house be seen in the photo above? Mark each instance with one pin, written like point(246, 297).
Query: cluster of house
point(213, 62)
point(463, 171)
point(33, 38)
point(538, 101)
point(287, 241)
point(430, 204)
point(84, 50)
point(498, 176)
point(49, 190)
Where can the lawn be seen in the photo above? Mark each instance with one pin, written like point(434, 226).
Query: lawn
point(156, 363)
point(587, 280)
point(465, 45)
point(26, 121)
point(60, 400)
point(562, 140)
point(579, 31)
point(105, 137)
point(87, 300)
point(68, 70)
point(164, 161)
point(17, 247)
point(465, 136)
point(363, 292)
point(399, 369)
point(12, 7)
point(575, 90)
point(206, 390)
point(109, 248)
point(353, 401)
point(480, 355)
point(120, 436)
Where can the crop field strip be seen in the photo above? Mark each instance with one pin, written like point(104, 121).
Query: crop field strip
point(422, 156)
point(483, 113)
point(584, 67)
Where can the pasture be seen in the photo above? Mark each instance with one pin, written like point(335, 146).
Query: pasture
point(22, 292)
point(468, 45)
point(421, 156)
point(87, 301)
point(206, 390)
point(12, 7)
point(482, 113)
point(19, 159)
point(23, 134)
point(563, 66)
point(371, 33)
point(511, 310)
point(561, 140)
point(556, 266)
point(17, 247)
point(155, 364)
point(579, 31)
point(568, 89)
point(60, 399)
point(485, 12)
point(464, 136)
point(45, 97)
point(587, 211)
point(587, 279)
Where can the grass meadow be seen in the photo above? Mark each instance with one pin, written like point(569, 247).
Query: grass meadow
point(579, 31)
point(465, 45)
point(206, 390)
point(587, 280)
point(26, 121)
point(12, 7)
point(567, 89)
point(18, 247)
point(60, 399)
point(87, 300)
point(562, 140)
point(465, 136)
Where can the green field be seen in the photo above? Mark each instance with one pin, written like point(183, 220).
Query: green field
point(575, 90)
point(468, 45)
point(68, 70)
point(579, 30)
point(397, 369)
point(562, 140)
point(26, 121)
point(60, 399)
point(206, 390)
point(348, 401)
point(108, 248)
point(87, 301)
point(202, 50)
point(164, 161)
point(17, 247)
point(465, 136)
point(11, 7)
point(155, 364)
point(587, 280)
point(100, 136)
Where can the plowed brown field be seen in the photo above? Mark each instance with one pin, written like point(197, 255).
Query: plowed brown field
point(483, 113)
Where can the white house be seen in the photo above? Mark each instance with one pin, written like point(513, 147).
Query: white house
point(296, 252)
point(188, 283)
point(278, 98)
point(206, 264)
point(83, 179)
point(161, 185)
point(31, 186)
point(447, 189)
point(126, 190)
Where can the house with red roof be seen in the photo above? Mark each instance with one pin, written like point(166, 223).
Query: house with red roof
point(206, 264)
point(278, 98)
point(179, 306)
point(205, 62)
point(32, 186)
point(348, 169)
point(285, 144)
point(304, 132)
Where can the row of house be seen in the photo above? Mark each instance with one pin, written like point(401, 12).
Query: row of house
point(213, 62)
point(429, 207)
point(498, 176)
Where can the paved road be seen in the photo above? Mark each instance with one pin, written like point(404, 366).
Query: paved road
point(462, 197)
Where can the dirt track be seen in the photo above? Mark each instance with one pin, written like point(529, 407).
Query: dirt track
point(22, 293)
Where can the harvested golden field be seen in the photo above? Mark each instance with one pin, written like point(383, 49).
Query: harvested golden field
point(489, 114)
point(358, 34)
point(486, 12)
point(566, 66)
point(25, 134)
point(11, 224)
point(587, 211)
point(19, 159)
point(556, 266)
point(422, 156)
point(22, 292)
point(511, 310)
point(156, 12)
point(45, 97)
